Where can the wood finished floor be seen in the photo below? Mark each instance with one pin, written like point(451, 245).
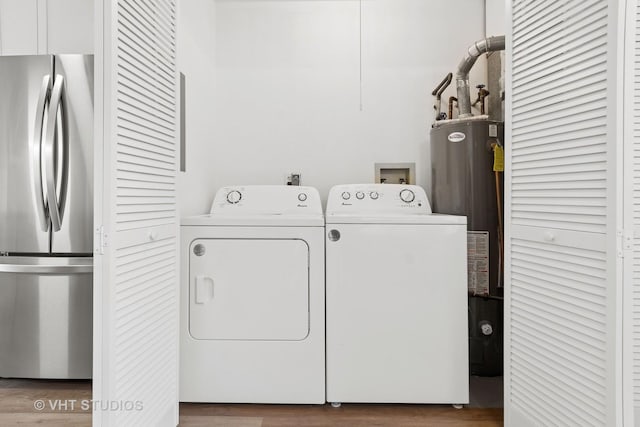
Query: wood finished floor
point(17, 399)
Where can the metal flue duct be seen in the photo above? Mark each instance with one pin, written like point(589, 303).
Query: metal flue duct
point(490, 44)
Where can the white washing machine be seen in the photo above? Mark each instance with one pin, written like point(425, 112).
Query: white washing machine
point(396, 298)
point(252, 298)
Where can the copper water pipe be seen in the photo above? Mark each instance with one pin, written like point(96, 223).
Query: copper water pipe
point(452, 99)
point(437, 92)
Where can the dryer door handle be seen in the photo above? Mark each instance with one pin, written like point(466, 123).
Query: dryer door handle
point(204, 289)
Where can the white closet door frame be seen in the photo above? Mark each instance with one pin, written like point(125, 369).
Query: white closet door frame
point(631, 236)
point(100, 264)
point(611, 241)
point(128, 303)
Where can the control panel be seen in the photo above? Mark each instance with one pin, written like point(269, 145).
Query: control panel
point(267, 200)
point(374, 199)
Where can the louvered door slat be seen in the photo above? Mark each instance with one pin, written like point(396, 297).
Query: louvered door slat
point(149, 108)
point(133, 113)
point(553, 402)
point(146, 150)
point(142, 130)
point(561, 346)
point(524, 11)
point(134, 72)
point(537, 41)
point(143, 35)
point(559, 143)
point(136, 137)
point(578, 43)
point(584, 96)
point(144, 96)
point(578, 114)
point(131, 178)
point(166, 15)
point(140, 111)
point(576, 76)
point(548, 184)
point(561, 94)
point(144, 158)
point(560, 309)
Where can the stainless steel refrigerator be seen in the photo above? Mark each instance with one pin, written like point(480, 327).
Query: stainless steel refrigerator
point(46, 216)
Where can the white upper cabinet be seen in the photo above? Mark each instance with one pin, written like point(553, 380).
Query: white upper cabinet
point(18, 27)
point(31, 27)
point(69, 26)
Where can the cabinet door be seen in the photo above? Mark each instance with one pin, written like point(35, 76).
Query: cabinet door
point(68, 26)
point(19, 27)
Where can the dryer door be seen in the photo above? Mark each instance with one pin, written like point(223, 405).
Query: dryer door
point(249, 289)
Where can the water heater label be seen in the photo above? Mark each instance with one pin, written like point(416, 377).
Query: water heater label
point(478, 262)
point(456, 137)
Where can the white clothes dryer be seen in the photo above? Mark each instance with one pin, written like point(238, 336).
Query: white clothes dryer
point(396, 298)
point(252, 298)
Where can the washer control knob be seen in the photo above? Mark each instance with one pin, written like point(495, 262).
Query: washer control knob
point(346, 195)
point(407, 196)
point(359, 195)
point(234, 196)
point(374, 195)
point(302, 197)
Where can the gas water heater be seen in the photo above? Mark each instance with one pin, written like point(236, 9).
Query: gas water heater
point(465, 182)
point(467, 163)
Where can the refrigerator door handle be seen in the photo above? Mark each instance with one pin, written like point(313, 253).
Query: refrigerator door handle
point(36, 153)
point(59, 266)
point(56, 154)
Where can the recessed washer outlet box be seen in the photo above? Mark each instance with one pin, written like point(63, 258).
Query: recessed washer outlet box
point(395, 173)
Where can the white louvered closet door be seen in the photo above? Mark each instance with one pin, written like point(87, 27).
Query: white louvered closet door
point(136, 298)
point(563, 269)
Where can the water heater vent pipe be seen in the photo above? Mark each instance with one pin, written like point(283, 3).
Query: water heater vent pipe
point(490, 44)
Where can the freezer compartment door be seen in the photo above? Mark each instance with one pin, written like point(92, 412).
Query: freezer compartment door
point(25, 89)
point(69, 145)
point(46, 325)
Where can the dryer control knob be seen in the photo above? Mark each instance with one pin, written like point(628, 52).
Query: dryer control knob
point(346, 195)
point(302, 197)
point(374, 195)
point(359, 195)
point(234, 196)
point(407, 196)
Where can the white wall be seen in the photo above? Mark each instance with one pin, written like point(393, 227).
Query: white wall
point(276, 89)
point(196, 47)
point(496, 17)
